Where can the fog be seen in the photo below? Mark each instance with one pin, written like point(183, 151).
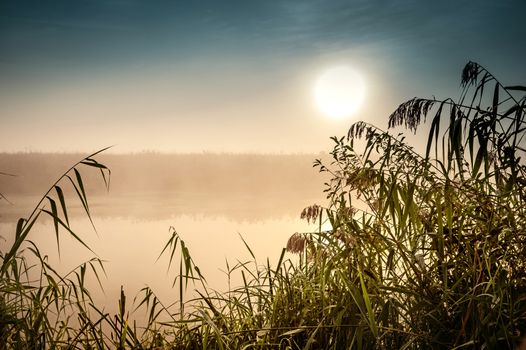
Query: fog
point(152, 186)
point(210, 199)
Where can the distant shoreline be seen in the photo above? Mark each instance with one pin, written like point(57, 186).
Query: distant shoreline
point(237, 186)
point(164, 153)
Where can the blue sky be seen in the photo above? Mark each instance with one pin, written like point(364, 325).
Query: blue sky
point(193, 76)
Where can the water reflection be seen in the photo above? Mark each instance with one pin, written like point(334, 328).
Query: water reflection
point(130, 248)
point(210, 200)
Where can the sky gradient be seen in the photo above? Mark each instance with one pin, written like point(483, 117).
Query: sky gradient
point(231, 76)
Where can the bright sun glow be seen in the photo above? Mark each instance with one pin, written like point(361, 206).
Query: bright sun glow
point(339, 92)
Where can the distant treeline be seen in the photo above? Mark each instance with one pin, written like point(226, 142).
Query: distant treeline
point(153, 172)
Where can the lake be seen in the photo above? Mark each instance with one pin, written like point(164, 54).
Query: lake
point(210, 205)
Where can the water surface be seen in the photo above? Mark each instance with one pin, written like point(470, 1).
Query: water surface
point(134, 218)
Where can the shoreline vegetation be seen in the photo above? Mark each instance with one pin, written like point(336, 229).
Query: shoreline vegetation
point(157, 172)
point(426, 251)
point(272, 186)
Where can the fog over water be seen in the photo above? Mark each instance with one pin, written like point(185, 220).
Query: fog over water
point(209, 199)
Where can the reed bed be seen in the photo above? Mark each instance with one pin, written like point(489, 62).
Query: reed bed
point(425, 251)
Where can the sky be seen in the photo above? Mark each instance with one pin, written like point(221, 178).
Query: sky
point(231, 76)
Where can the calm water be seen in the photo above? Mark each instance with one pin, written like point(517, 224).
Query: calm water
point(132, 230)
point(209, 199)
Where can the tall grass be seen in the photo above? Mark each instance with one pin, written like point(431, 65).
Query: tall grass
point(38, 304)
point(425, 251)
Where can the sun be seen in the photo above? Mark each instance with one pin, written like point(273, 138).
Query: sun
point(339, 92)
